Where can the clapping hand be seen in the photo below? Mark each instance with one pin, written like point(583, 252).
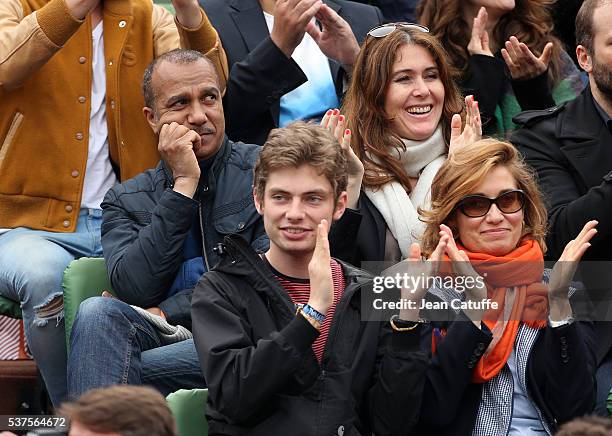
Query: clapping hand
point(335, 123)
point(479, 41)
point(80, 8)
point(415, 266)
point(463, 268)
point(564, 270)
point(472, 131)
point(188, 13)
point(336, 40)
point(522, 63)
point(291, 18)
point(320, 274)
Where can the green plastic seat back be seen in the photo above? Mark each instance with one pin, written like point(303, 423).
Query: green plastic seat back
point(165, 3)
point(188, 409)
point(9, 308)
point(83, 278)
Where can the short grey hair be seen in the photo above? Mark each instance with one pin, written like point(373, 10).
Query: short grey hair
point(179, 56)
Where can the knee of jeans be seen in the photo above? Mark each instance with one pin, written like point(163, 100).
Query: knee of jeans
point(97, 310)
point(38, 283)
point(52, 309)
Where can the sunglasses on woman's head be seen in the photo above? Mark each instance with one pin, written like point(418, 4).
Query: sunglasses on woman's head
point(476, 206)
point(387, 29)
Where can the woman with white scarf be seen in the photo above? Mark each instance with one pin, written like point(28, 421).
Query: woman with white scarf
point(404, 114)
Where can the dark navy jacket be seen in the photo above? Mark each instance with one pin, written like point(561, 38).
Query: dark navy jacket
point(146, 227)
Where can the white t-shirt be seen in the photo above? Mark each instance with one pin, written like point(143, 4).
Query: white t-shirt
point(99, 174)
point(311, 99)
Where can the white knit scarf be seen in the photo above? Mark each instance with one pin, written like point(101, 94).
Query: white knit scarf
point(421, 159)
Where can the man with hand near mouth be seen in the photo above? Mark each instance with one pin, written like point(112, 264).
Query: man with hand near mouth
point(69, 130)
point(160, 233)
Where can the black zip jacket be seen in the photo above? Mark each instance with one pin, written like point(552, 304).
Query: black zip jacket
point(145, 224)
point(263, 377)
point(359, 235)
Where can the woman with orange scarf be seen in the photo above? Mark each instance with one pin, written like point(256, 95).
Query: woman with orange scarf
point(523, 365)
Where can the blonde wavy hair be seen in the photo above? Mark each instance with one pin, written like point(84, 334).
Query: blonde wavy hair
point(461, 174)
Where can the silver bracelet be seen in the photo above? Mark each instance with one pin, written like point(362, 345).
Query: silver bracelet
point(554, 324)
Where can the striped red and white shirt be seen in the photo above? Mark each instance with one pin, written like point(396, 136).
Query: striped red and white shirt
point(299, 292)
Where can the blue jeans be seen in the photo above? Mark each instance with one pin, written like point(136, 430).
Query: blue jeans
point(112, 344)
point(32, 263)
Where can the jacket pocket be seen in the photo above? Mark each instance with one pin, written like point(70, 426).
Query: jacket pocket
point(241, 218)
point(10, 136)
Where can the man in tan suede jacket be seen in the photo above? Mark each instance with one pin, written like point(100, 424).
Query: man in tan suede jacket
point(71, 126)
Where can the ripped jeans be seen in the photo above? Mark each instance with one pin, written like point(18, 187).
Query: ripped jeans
point(32, 263)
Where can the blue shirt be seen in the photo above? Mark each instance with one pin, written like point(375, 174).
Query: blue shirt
point(525, 419)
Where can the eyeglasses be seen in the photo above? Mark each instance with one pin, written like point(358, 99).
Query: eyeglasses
point(476, 206)
point(387, 29)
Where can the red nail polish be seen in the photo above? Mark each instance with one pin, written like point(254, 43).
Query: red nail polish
point(341, 118)
point(329, 112)
point(347, 132)
point(336, 111)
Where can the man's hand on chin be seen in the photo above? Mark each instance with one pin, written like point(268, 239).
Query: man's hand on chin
point(176, 147)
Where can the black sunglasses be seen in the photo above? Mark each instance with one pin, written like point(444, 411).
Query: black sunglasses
point(476, 206)
point(387, 29)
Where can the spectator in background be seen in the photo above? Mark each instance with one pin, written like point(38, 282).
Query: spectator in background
point(587, 426)
point(569, 146)
point(289, 60)
point(395, 10)
point(479, 35)
point(281, 335)
point(161, 231)
point(401, 109)
point(71, 126)
point(120, 411)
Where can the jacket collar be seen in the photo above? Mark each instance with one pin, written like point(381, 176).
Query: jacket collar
point(585, 139)
point(580, 119)
point(250, 21)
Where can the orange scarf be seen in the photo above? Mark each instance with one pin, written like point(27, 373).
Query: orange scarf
point(522, 269)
